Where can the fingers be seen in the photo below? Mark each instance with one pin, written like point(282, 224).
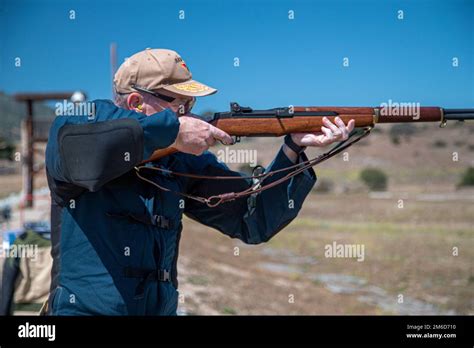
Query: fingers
point(337, 133)
point(339, 129)
point(329, 134)
point(316, 139)
point(218, 134)
point(204, 145)
point(328, 137)
point(342, 128)
point(307, 139)
point(210, 141)
point(350, 126)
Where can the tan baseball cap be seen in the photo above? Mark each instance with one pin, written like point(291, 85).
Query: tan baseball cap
point(156, 69)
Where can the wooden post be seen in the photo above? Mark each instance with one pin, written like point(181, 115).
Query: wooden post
point(28, 155)
point(27, 138)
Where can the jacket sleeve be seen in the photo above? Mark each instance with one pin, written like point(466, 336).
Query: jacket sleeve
point(89, 151)
point(251, 220)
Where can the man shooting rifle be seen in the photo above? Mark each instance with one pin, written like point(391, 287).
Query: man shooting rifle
point(119, 243)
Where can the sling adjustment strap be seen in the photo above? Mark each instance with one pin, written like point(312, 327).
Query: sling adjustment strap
point(146, 275)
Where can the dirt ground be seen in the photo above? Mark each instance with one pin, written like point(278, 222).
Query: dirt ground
point(417, 236)
point(291, 275)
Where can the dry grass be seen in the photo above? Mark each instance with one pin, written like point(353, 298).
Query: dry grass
point(409, 256)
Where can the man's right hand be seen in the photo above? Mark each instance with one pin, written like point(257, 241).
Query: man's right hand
point(196, 136)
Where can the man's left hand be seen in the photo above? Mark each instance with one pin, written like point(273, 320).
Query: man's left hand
point(329, 134)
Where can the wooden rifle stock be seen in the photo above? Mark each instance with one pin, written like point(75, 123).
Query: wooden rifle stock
point(244, 121)
point(156, 155)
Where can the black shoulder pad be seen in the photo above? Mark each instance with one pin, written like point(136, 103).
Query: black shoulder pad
point(93, 154)
point(62, 192)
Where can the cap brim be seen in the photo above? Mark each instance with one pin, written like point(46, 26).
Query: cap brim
point(191, 88)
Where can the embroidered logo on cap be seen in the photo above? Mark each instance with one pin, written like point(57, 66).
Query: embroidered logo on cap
point(191, 87)
point(181, 62)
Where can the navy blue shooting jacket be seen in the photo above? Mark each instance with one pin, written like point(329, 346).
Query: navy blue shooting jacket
point(118, 250)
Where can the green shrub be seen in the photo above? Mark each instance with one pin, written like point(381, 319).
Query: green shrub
point(7, 150)
point(395, 140)
point(375, 179)
point(467, 178)
point(229, 311)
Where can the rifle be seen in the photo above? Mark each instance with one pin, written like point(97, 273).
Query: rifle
point(244, 121)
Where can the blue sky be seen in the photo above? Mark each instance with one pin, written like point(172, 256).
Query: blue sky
point(282, 61)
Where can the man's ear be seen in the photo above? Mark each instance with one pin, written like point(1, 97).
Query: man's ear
point(135, 102)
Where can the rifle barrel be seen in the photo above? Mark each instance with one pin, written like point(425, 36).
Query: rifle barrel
point(244, 121)
point(459, 114)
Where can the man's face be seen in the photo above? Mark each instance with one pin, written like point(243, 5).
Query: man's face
point(151, 104)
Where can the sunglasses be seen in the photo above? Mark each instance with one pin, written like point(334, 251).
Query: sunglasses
point(184, 105)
